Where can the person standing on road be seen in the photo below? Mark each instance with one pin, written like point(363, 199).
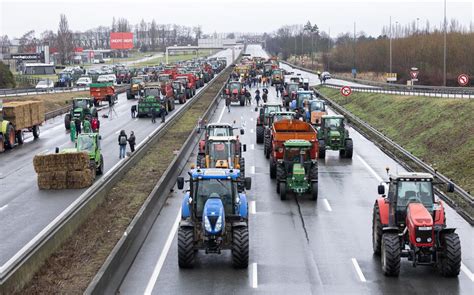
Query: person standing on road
point(265, 97)
point(248, 97)
point(72, 130)
point(131, 141)
point(95, 125)
point(122, 141)
point(133, 110)
point(153, 115)
point(78, 126)
point(257, 97)
point(227, 103)
point(162, 113)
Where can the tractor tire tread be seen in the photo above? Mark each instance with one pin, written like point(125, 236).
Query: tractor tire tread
point(186, 252)
point(240, 247)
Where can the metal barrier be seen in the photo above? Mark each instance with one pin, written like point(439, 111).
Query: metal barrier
point(378, 87)
point(466, 196)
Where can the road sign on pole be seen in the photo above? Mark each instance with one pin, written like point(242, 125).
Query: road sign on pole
point(346, 91)
point(414, 75)
point(463, 80)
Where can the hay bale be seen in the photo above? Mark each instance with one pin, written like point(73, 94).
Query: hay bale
point(24, 114)
point(61, 162)
point(80, 179)
point(52, 180)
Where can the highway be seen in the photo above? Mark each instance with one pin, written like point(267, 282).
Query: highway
point(296, 246)
point(24, 209)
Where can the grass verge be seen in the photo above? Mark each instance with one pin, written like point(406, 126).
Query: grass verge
point(438, 131)
point(52, 101)
point(171, 59)
point(76, 262)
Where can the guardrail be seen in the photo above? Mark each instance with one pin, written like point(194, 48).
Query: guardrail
point(22, 266)
point(357, 123)
point(420, 90)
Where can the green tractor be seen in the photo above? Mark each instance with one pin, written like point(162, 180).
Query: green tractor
point(90, 143)
point(82, 109)
point(297, 171)
point(332, 135)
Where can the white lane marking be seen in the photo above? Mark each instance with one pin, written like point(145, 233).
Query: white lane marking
point(222, 113)
point(358, 270)
point(44, 152)
point(252, 146)
point(164, 253)
point(252, 169)
point(370, 169)
point(254, 276)
point(252, 207)
point(464, 269)
point(251, 130)
point(326, 204)
point(117, 132)
point(3, 207)
point(251, 119)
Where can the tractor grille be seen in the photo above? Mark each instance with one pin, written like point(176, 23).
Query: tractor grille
point(424, 235)
point(213, 220)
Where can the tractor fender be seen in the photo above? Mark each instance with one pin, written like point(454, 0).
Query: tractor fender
point(186, 224)
point(243, 208)
point(185, 211)
point(390, 229)
point(439, 218)
point(448, 230)
point(383, 210)
point(239, 224)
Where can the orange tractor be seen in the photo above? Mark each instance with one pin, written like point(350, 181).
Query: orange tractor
point(409, 222)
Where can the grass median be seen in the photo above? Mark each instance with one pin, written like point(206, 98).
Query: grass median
point(77, 261)
point(438, 131)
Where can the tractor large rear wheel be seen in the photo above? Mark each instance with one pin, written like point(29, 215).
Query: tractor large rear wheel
point(314, 191)
point(282, 191)
point(9, 137)
point(100, 169)
point(186, 247)
point(240, 247)
point(260, 134)
point(450, 263)
point(376, 230)
point(280, 176)
point(20, 136)
point(349, 147)
point(267, 147)
point(67, 121)
point(390, 254)
point(273, 168)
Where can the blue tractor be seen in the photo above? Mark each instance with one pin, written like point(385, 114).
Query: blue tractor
point(214, 216)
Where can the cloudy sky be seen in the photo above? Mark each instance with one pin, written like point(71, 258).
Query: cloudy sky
point(19, 16)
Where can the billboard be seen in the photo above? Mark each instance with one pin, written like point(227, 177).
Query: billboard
point(121, 40)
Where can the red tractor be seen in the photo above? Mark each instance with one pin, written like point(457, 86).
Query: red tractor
point(190, 83)
point(179, 91)
point(236, 91)
point(409, 222)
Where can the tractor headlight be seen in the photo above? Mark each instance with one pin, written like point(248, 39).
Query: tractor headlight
point(218, 226)
point(207, 224)
point(429, 240)
point(418, 240)
point(425, 228)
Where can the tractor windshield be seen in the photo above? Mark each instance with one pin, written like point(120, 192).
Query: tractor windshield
point(164, 78)
point(155, 92)
point(272, 109)
point(225, 188)
point(415, 191)
point(297, 155)
point(317, 106)
point(221, 150)
point(137, 80)
point(293, 88)
point(81, 103)
point(332, 123)
point(278, 117)
point(233, 86)
point(85, 143)
point(220, 131)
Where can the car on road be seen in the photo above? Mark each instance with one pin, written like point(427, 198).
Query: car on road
point(84, 81)
point(109, 78)
point(45, 85)
point(325, 75)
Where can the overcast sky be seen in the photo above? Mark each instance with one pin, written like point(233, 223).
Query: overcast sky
point(19, 16)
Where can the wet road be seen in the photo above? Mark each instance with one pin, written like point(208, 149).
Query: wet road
point(24, 209)
point(296, 246)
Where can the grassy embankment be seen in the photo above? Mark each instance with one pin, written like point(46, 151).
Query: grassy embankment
point(439, 131)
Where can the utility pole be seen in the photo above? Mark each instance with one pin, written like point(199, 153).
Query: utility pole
point(354, 66)
point(444, 51)
point(390, 28)
point(329, 45)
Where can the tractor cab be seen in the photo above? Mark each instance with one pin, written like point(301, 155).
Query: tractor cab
point(164, 78)
point(83, 107)
point(291, 89)
point(214, 216)
point(302, 97)
point(90, 143)
point(278, 116)
point(234, 88)
point(152, 91)
point(317, 109)
point(265, 112)
point(297, 155)
point(220, 152)
point(277, 76)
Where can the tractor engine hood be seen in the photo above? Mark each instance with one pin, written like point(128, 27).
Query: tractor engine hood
point(213, 216)
point(420, 225)
point(334, 134)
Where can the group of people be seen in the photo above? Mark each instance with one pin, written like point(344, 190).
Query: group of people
point(76, 126)
point(123, 139)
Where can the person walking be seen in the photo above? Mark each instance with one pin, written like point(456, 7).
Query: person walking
point(248, 97)
point(131, 141)
point(122, 141)
point(78, 126)
point(95, 125)
point(227, 103)
point(257, 97)
point(72, 130)
point(163, 112)
point(133, 110)
point(153, 115)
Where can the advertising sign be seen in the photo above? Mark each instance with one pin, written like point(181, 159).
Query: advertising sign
point(121, 40)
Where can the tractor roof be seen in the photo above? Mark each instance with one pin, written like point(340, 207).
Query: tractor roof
point(222, 138)
point(297, 143)
point(217, 125)
point(333, 117)
point(282, 113)
point(213, 173)
point(271, 104)
point(412, 176)
point(82, 98)
point(305, 92)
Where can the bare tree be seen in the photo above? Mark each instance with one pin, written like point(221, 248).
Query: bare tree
point(123, 25)
point(153, 35)
point(4, 44)
point(64, 40)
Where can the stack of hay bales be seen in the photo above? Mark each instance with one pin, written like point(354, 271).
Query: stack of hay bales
point(64, 171)
point(24, 114)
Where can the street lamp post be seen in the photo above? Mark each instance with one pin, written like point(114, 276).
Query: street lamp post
point(444, 51)
point(390, 28)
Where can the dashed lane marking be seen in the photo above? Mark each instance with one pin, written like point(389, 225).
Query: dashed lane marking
point(370, 169)
point(252, 169)
point(222, 113)
point(164, 253)
point(252, 207)
point(3, 207)
point(251, 130)
point(463, 268)
point(326, 204)
point(254, 276)
point(358, 270)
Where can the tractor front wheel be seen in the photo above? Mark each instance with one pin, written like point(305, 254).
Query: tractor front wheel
point(9, 137)
point(186, 247)
point(376, 230)
point(273, 169)
point(260, 134)
point(267, 147)
point(67, 121)
point(100, 169)
point(314, 191)
point(390, 254)
point(282, 191)
point(349, 147)
point(240, 247)
point(450, 263)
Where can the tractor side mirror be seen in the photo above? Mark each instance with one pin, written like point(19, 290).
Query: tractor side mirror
point(381, 189)
point(450, 187)
point(248, 183)
point(180, 182)
point(242, 131)
point(244, 147)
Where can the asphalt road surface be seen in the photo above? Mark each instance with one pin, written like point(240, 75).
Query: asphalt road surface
point(296, 246)
point(24, 209)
